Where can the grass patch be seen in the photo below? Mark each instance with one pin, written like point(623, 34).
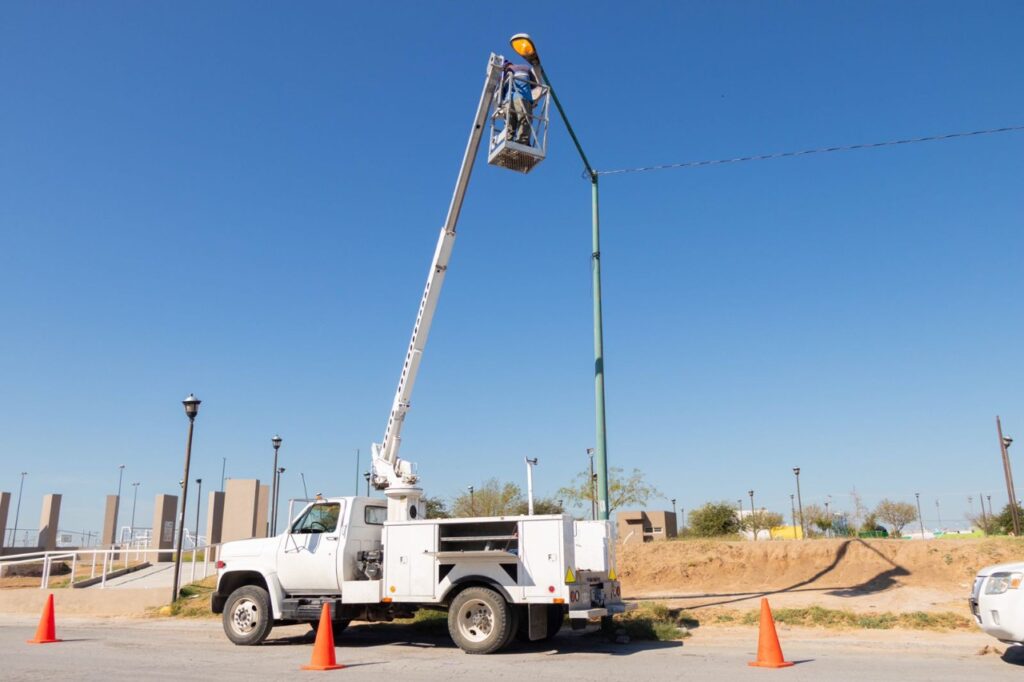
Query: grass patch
point(654, 621)
point(194, 601)
point(816, 616)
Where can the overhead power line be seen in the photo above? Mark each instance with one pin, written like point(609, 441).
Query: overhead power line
point(805, 152)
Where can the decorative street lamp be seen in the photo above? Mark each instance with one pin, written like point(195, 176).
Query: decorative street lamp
point(199, 503)
point(524, 46)
point(277, 487)
point(472, 500)
point(920, 518)
point(753, 514)
point(191, 404)
point(276, 442)
point(792, 511)
point(366, 475)
point(800, 502)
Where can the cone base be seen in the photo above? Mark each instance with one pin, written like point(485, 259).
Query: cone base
point(780, 664)
point(43, 641)
point(322, 667)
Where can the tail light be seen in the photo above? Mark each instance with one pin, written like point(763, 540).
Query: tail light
point(220, 564)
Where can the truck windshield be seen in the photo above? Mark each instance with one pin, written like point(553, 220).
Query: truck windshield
point(320, 518)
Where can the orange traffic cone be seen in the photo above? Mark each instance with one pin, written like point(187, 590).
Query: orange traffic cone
point(323, 648)
point(769, 653)
point(46, 633)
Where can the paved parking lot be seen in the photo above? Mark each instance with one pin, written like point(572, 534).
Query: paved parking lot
point(117, 649)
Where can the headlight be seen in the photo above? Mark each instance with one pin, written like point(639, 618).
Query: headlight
point(1001, 582)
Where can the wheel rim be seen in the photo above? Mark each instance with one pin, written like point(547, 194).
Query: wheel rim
point(476, 620)
point(245, 616)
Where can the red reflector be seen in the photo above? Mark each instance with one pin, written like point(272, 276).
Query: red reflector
point(551, 588)
point(220, 564)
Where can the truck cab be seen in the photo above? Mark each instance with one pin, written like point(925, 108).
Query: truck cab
point(997, 601)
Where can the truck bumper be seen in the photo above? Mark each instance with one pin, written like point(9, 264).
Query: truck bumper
point(607, 610)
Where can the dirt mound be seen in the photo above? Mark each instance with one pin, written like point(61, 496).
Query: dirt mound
point(714, 566)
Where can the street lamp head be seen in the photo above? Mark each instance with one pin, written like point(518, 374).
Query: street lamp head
point(750, 492)
point(590, 451)
point(366, 475)
point(796, 470)
point(199, 481)
point(120, 466)
point(191, 404)
point(280, 470)
point(522, 43)
point(1007, 441)
point(276, 440)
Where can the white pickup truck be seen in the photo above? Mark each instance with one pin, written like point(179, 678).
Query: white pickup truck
point(997, 601)
point(497, 577)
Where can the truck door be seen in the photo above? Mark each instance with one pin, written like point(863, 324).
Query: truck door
point(307, 559)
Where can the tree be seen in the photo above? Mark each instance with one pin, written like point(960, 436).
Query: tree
point(492, 498)
point(436, 508)
point(815, 515)
point(714, 519)
point(896, 514)
point(761, 519)
point(1004, 521)
point(623, 491)
point(541, 505)
point(860, 512)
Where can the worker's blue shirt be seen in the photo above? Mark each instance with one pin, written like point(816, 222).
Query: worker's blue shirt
point(519, 86)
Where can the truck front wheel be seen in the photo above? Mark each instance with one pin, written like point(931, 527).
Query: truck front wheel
point(480, 621)
point(247, 617)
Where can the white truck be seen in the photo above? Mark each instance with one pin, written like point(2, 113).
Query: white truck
point(997, 601)
point(373, 559)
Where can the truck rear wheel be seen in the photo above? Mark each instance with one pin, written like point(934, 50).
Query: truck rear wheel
point(480, 621)
point(247, 616)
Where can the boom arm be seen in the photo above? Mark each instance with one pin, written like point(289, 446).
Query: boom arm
point(388, 469)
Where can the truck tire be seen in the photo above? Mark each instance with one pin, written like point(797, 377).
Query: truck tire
point(480, 621)
point(556, 614)
point(337, 626)
point(247, 617)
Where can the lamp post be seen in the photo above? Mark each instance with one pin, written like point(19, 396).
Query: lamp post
point(674, 510)
point(276, 442)
point(117, 506)
point(530, 463)
point(366, 475)
point(828, 515)
point(938, 512)
point(984, 520)
point(135, 499)
point(592, 485)
point(305, 492)
point(357, 470)
point(525, 48)
point(191, 404)
point(1004, 447)
point(472, 501)
point(17, 510)
point(990, 514)
point(800, 502)
point(792, 511)
point(199, 503)
point(919, 517)
point(753, 514)
point(223, 470)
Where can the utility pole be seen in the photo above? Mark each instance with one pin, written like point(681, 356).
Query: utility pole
point(1004, 447)
point(800, 502)
point(753, 514)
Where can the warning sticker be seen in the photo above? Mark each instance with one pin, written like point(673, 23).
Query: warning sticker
point(569, 576)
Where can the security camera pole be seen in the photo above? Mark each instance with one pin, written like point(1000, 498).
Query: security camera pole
point(525, 48)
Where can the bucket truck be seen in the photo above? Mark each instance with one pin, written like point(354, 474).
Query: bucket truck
point(371, 560)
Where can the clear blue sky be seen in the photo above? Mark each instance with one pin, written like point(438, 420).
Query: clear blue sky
point(242, 200)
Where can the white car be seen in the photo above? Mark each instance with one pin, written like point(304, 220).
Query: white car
point(997, 602)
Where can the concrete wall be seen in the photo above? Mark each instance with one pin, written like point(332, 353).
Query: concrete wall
point(5, 506)
point(109, 536)
point(241, 497)
point(165, 510)
point(263, 512)
point(49, 519)
point(214, 517)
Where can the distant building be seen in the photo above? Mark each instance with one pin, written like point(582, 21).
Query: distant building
point(645, 526)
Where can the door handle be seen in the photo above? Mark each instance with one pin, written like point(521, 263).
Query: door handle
point(332, 538)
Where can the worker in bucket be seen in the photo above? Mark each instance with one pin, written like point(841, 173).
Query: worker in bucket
point(519, 83)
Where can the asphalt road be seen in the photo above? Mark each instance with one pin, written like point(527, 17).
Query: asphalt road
point(183, 649)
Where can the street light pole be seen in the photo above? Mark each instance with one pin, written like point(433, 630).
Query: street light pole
point(135, 499)
point(939, 513)
point(191, 404)
point(17, 511)
point(591, 486)
point(199, 503)
point(276, 442)
point(277, 495)
point(524, 47)
point(984, 520)
point(1004, 447)
point(800, 503)
point(305, 492)
point(357, 470)
point(117, 506)
point(223, 470)
point(366, 475)
point(472, 501)
point(919, 517)
point(530, 463)
point(753, 514)
point(792, 511)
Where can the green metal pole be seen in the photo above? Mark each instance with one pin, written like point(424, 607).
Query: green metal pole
point(602, 442)
point(595, 260)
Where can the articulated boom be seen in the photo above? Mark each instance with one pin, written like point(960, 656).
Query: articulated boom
point(389, 472)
